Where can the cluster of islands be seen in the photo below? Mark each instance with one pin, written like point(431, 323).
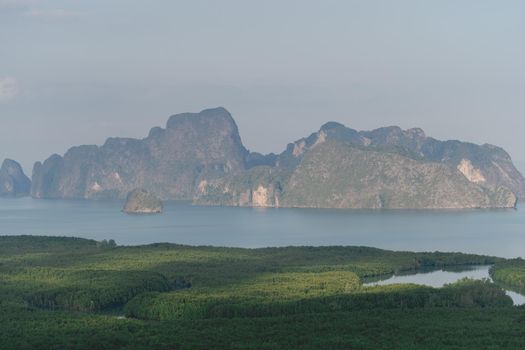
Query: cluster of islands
point(200, 157)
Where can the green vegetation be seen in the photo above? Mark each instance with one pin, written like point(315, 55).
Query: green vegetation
point(510, 273)
point(338, 174)
point(251, 303)
point(72, 293)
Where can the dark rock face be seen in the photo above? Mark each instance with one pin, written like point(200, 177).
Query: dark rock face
point(13, 181)
point(200, 157)
point(140, 201)
point(169, 162)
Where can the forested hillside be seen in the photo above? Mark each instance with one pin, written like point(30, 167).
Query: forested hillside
point(76, 293)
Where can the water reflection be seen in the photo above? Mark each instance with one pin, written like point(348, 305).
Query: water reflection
point(437, 278)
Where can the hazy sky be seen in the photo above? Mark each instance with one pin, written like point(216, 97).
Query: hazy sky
point(75, 72)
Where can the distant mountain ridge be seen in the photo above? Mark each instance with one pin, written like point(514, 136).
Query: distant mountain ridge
point(200, 157)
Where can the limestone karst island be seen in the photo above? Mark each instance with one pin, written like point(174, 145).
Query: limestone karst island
point(200, 157)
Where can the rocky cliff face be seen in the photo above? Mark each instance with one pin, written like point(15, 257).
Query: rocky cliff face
point(343, 176)
point(170, 162)
point(200, 156)
point(261, 186)
point(338, 167)
point(335, 174)
point(13, 181)
point(486, 165)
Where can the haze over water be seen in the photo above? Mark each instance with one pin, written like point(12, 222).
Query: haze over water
point(492, 232)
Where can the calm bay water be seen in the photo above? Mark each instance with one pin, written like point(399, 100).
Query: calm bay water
point(493, 232)
point(438, 278)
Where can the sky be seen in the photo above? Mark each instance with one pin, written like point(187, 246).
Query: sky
point(76, 72)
